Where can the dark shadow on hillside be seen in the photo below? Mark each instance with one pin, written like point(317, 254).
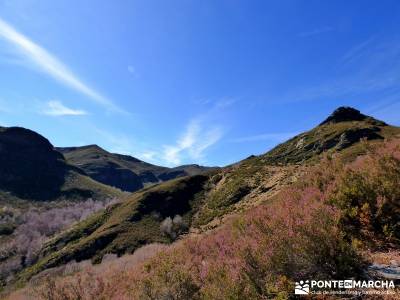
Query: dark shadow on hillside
point(173, 200)
point(29, 166)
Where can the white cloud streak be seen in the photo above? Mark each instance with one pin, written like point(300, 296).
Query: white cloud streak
point(49, 64)
point(192, 144)
point(358, 51)
point(148, 156)
point(56, 108)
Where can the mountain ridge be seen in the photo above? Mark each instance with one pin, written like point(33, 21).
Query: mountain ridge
point(343, 128)
point(30, 168)
point(123, 171)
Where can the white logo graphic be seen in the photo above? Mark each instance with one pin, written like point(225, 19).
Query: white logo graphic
point(348, 284)
point(302, 287)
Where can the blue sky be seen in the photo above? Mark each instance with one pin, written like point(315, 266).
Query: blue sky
point(208, 82)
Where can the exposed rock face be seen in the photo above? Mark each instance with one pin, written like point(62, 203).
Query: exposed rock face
point(346, 139)
point(29, 165)
point(352, 136)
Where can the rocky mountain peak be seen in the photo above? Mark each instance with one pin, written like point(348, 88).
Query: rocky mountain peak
point(344, 114)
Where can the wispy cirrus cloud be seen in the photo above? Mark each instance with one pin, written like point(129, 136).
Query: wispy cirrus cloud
point(56, 108)
point(315, 31)
point(46, 62)
point(192, 144)
point(358, 50)
point(368, 68)
point(217, 104)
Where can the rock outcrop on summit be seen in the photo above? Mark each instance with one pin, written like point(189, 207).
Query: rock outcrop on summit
point(343, 128)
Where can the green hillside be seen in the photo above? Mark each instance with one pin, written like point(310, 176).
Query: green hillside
point(125, 226)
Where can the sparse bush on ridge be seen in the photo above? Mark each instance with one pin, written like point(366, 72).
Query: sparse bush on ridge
point(173, 227)
point(314, 229)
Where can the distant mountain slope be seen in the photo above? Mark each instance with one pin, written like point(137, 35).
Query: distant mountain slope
point(205, 200)
point(122, 171)
point(30, 168)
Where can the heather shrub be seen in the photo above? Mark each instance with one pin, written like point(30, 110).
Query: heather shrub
point(168, 281)
point(366, 192)
point(112, 279)
point(258, 256)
